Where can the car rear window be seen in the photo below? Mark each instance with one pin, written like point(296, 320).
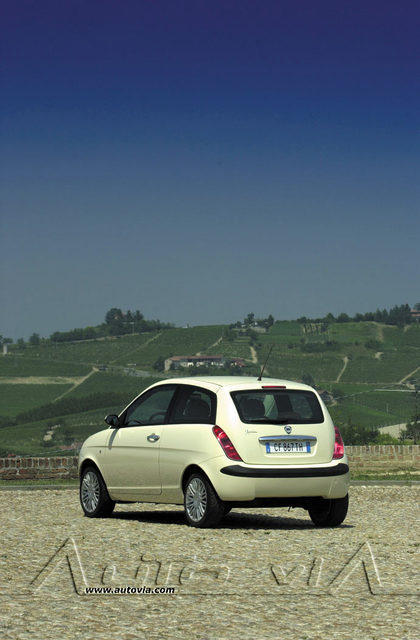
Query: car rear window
point(278, 406)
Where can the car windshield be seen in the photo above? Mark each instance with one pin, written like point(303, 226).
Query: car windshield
point(278, 406)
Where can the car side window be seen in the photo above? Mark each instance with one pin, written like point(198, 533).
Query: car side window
point(194, 405)
point(151, 408)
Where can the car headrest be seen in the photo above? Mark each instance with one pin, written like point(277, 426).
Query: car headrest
point(253, 408)
point(198, 409)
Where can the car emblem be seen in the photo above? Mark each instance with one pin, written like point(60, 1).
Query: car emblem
point(288, 429)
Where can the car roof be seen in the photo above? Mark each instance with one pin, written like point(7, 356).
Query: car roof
point(232, 383)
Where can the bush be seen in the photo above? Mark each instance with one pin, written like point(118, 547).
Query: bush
point(159, 364)
point(319, 347)
point(373, 344)
point(308, 379)
point(357, 434)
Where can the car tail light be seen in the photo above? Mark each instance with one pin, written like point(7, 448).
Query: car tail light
point(338, 445)
point(226, 444)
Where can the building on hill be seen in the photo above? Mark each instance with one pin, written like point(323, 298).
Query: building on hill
point(178, 362)
point(415, 315)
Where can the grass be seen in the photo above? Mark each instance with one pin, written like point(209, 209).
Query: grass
point(391, 367)
point(16, 398)
point(21, 366)
point(73, 482)
point(398, 337)
point(101, 351)
point(238, 348)
point(350, 413)
point(395, 406)
point(286, 328)
point(27, 439)
point(396, 403)
point(104, 381)
point(404, 477)
point(179, 342)
point(351, 332)
point(292, 367)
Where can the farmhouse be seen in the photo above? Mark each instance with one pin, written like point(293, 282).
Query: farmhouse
point(415, 315)
point(176, 362)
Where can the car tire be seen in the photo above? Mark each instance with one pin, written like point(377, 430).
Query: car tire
point(226, 508)
point(94, 496)
point(329, 513)
point(203, 507)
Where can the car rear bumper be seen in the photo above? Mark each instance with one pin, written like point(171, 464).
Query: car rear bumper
point(242, 482)
point(308, 472)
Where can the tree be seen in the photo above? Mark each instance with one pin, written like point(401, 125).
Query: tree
point(417, 306)
point(34, 339)
point(159, 364)
point(411, 432)
point(343, 317)
point(114, 318)
point(21, 343)
point(68, 437)
point(229, 335)
point(113, 315)
point(308, 379)
point(250, 318)
point(358, 434)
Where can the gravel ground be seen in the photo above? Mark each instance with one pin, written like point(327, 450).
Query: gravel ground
point(262, 574)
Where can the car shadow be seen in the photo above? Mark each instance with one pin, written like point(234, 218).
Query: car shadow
point(234, 520)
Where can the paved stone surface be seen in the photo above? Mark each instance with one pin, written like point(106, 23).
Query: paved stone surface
point(263, 574)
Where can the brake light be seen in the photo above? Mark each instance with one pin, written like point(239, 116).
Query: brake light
point(338, 445)
point(226, 444)
point(273, 386)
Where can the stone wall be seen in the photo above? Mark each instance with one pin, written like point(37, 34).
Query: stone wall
point(39, 468)
point(383, 458)
point(370, 458)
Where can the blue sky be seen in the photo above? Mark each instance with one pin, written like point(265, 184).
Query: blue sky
point(201, 160)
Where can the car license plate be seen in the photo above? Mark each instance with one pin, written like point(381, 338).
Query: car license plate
point(288, 446)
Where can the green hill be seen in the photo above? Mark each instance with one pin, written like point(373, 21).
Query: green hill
point(367, 366)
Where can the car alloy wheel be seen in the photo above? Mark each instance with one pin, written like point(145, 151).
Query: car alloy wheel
point(203, 507)
point(90, 491)
point(94, 496)
point(196, 499)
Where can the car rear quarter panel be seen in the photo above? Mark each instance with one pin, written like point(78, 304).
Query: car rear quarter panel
point(184, 445)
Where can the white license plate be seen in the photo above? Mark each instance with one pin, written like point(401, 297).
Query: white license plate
point(288, 446)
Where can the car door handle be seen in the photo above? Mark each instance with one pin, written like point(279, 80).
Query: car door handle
point(153, 437)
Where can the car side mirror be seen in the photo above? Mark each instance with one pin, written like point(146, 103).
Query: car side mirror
point(112, 420)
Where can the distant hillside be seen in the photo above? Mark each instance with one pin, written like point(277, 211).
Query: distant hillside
point(370, 370)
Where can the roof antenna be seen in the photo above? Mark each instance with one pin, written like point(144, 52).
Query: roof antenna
point(265, 363)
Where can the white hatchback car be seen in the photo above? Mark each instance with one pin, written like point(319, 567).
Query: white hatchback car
point(213, 443)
